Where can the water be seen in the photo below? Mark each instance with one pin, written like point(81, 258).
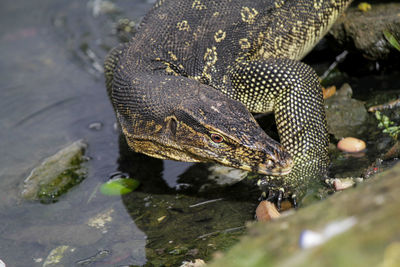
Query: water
point(52, 93)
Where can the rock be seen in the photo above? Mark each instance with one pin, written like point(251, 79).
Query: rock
point(56, 255)
point(364, 30)
point(56, 174)
point(266, 211)
point(196, 263)
point(345, 116)
point(100, 221)
point(351, 145)
point(360, 224)
point(329, 91)
point(223, 175)
point(342, 184)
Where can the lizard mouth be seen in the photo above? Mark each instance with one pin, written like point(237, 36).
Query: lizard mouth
point(275, 172)
point(266, 169)
point(282, 169)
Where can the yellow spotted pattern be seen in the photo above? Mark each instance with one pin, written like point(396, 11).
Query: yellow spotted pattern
point(248, 14)
point(215, 61)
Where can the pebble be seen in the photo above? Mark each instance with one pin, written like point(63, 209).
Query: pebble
point(266, 211)
point(342, 184)
point(97, 126)
point(311, 238)
point(351, 145)
point(328, 91)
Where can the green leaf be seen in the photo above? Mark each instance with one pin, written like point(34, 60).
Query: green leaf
point(393, 128)
point(119, 186)
point(391, 39)
point(386, 121)
point(378, 115)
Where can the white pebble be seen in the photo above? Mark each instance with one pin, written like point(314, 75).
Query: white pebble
point(351, 145)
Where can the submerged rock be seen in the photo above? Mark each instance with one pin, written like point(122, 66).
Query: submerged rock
point(364, 30)
point(56, 174)
point(345, 116)
point(56, 255)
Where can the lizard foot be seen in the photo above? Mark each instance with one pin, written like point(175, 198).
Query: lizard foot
point(275, 194)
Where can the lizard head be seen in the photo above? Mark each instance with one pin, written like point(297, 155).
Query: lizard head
point(203, 128)
point(213, 127)
point(198, 124)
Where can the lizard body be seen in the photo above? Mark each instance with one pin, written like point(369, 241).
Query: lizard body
point(184, 86)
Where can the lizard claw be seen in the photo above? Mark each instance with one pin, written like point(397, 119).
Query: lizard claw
point(293, 199)
point(276, 197)
point(275, 194)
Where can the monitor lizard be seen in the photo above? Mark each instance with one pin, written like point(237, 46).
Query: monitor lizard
point(186, 85)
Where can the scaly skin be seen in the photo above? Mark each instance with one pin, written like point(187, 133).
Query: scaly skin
point(184, 87)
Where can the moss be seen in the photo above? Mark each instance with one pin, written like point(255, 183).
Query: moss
point(57, 174)
point(374, 205)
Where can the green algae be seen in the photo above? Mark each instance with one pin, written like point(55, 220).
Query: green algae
point(370, 242)
point(57, 174)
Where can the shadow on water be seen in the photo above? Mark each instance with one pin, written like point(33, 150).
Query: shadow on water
point(188, 218)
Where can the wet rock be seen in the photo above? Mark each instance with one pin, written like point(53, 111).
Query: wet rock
point(351, 145)
point(223, 175)
point(364, 30)
point(362, 224)
point(56, 174)
point(195, 263)
point(343, 183)
point(345, 116)
point(96, 126)
point(101, 220)
point(266, 211)
point(56, 255)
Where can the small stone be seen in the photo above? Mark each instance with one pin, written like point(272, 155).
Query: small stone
point(55, 256)
point(196, 263)
point(329, 91)
point(100, 220)
point(345, 116)
point(363, 30)
point(224, 175)
point(266, 211)
point(97, 126)
point(342, 184)
point(351, 145)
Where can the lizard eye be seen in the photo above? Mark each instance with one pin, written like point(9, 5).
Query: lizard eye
point(216, 138)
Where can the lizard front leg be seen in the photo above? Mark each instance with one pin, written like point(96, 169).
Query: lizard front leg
point(292, 91)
